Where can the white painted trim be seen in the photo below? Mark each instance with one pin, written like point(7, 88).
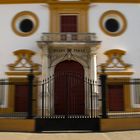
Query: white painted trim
point(4, 90)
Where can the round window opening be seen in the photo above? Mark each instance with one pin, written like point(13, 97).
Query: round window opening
point(113, 23)
point(25, 23)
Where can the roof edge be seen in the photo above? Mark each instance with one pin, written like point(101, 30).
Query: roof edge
point(56, 1)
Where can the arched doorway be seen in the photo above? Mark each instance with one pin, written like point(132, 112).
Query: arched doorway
point(69, 88)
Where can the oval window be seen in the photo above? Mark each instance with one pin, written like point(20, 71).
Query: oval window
point(113, 23)
point(25, 23)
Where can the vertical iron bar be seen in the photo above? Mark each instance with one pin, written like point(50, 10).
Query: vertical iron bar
point(85, 89)
point(88, 97)
point(75, 80)
point(66, 111)
point(49, 91)
point(103, 78)
point(94, 99)
point(30, 94)
point(72, 98)
point(85, 97)
point(91, 98)
point(43, 99)
point(3, 94)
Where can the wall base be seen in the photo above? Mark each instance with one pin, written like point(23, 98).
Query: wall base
point(29, 125)
point(119, 124)
point(17, 125)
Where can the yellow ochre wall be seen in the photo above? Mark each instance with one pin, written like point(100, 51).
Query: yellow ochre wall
point(119, 124)
point(17, 125)
point(53, 1)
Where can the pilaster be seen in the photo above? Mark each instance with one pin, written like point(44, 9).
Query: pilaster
point(45, 75)
point(44, 59)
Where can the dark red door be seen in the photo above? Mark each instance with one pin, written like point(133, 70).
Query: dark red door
point(69, 88)
point(21, 98)
point(69, 23)
point(115, 98)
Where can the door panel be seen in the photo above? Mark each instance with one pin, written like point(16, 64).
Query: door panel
point(21, 98)
point(115, 98)
point(69, 88)
point(68, 23)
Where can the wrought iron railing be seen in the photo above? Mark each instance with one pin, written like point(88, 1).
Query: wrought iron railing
point(69, 37)
point(89, 107)
point(117, 107)
point(9, 94)
point(92, 99)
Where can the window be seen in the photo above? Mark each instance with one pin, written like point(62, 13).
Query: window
point(68, 23)
point(115, 97)
point(25, 23)
point(113, 23)
point(136, 92)
point(68, 27)
point(3, 93)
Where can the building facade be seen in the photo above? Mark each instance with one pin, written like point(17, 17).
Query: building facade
point(67, 38)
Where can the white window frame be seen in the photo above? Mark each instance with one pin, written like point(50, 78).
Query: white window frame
point(135, 90)
point(3, 93)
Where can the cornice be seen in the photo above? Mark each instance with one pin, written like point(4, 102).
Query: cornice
point(21, 1)
point(115, 1)
point(117, 73)
point(62, 2)
point(70, 6)
point(10, 73)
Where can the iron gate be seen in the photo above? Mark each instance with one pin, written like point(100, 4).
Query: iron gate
point(68, 102)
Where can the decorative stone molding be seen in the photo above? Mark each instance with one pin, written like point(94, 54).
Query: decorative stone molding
point(80, 49)
point(69, 54)
point(114, 61)
point(24, 61)
point(55, 50)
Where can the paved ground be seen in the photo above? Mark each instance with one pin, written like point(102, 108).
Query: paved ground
point(124, 135)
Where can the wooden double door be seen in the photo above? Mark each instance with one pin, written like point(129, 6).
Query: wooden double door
point(69, 88)
point(115, 98)
point(68, 24)
point(21, 98)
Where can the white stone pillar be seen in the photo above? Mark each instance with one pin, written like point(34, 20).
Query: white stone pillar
point(45, 61)
point(93, 64)
point(45, 74)
point(95, 67)
point(93, 77)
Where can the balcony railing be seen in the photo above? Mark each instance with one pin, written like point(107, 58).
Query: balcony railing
point(70, 37)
